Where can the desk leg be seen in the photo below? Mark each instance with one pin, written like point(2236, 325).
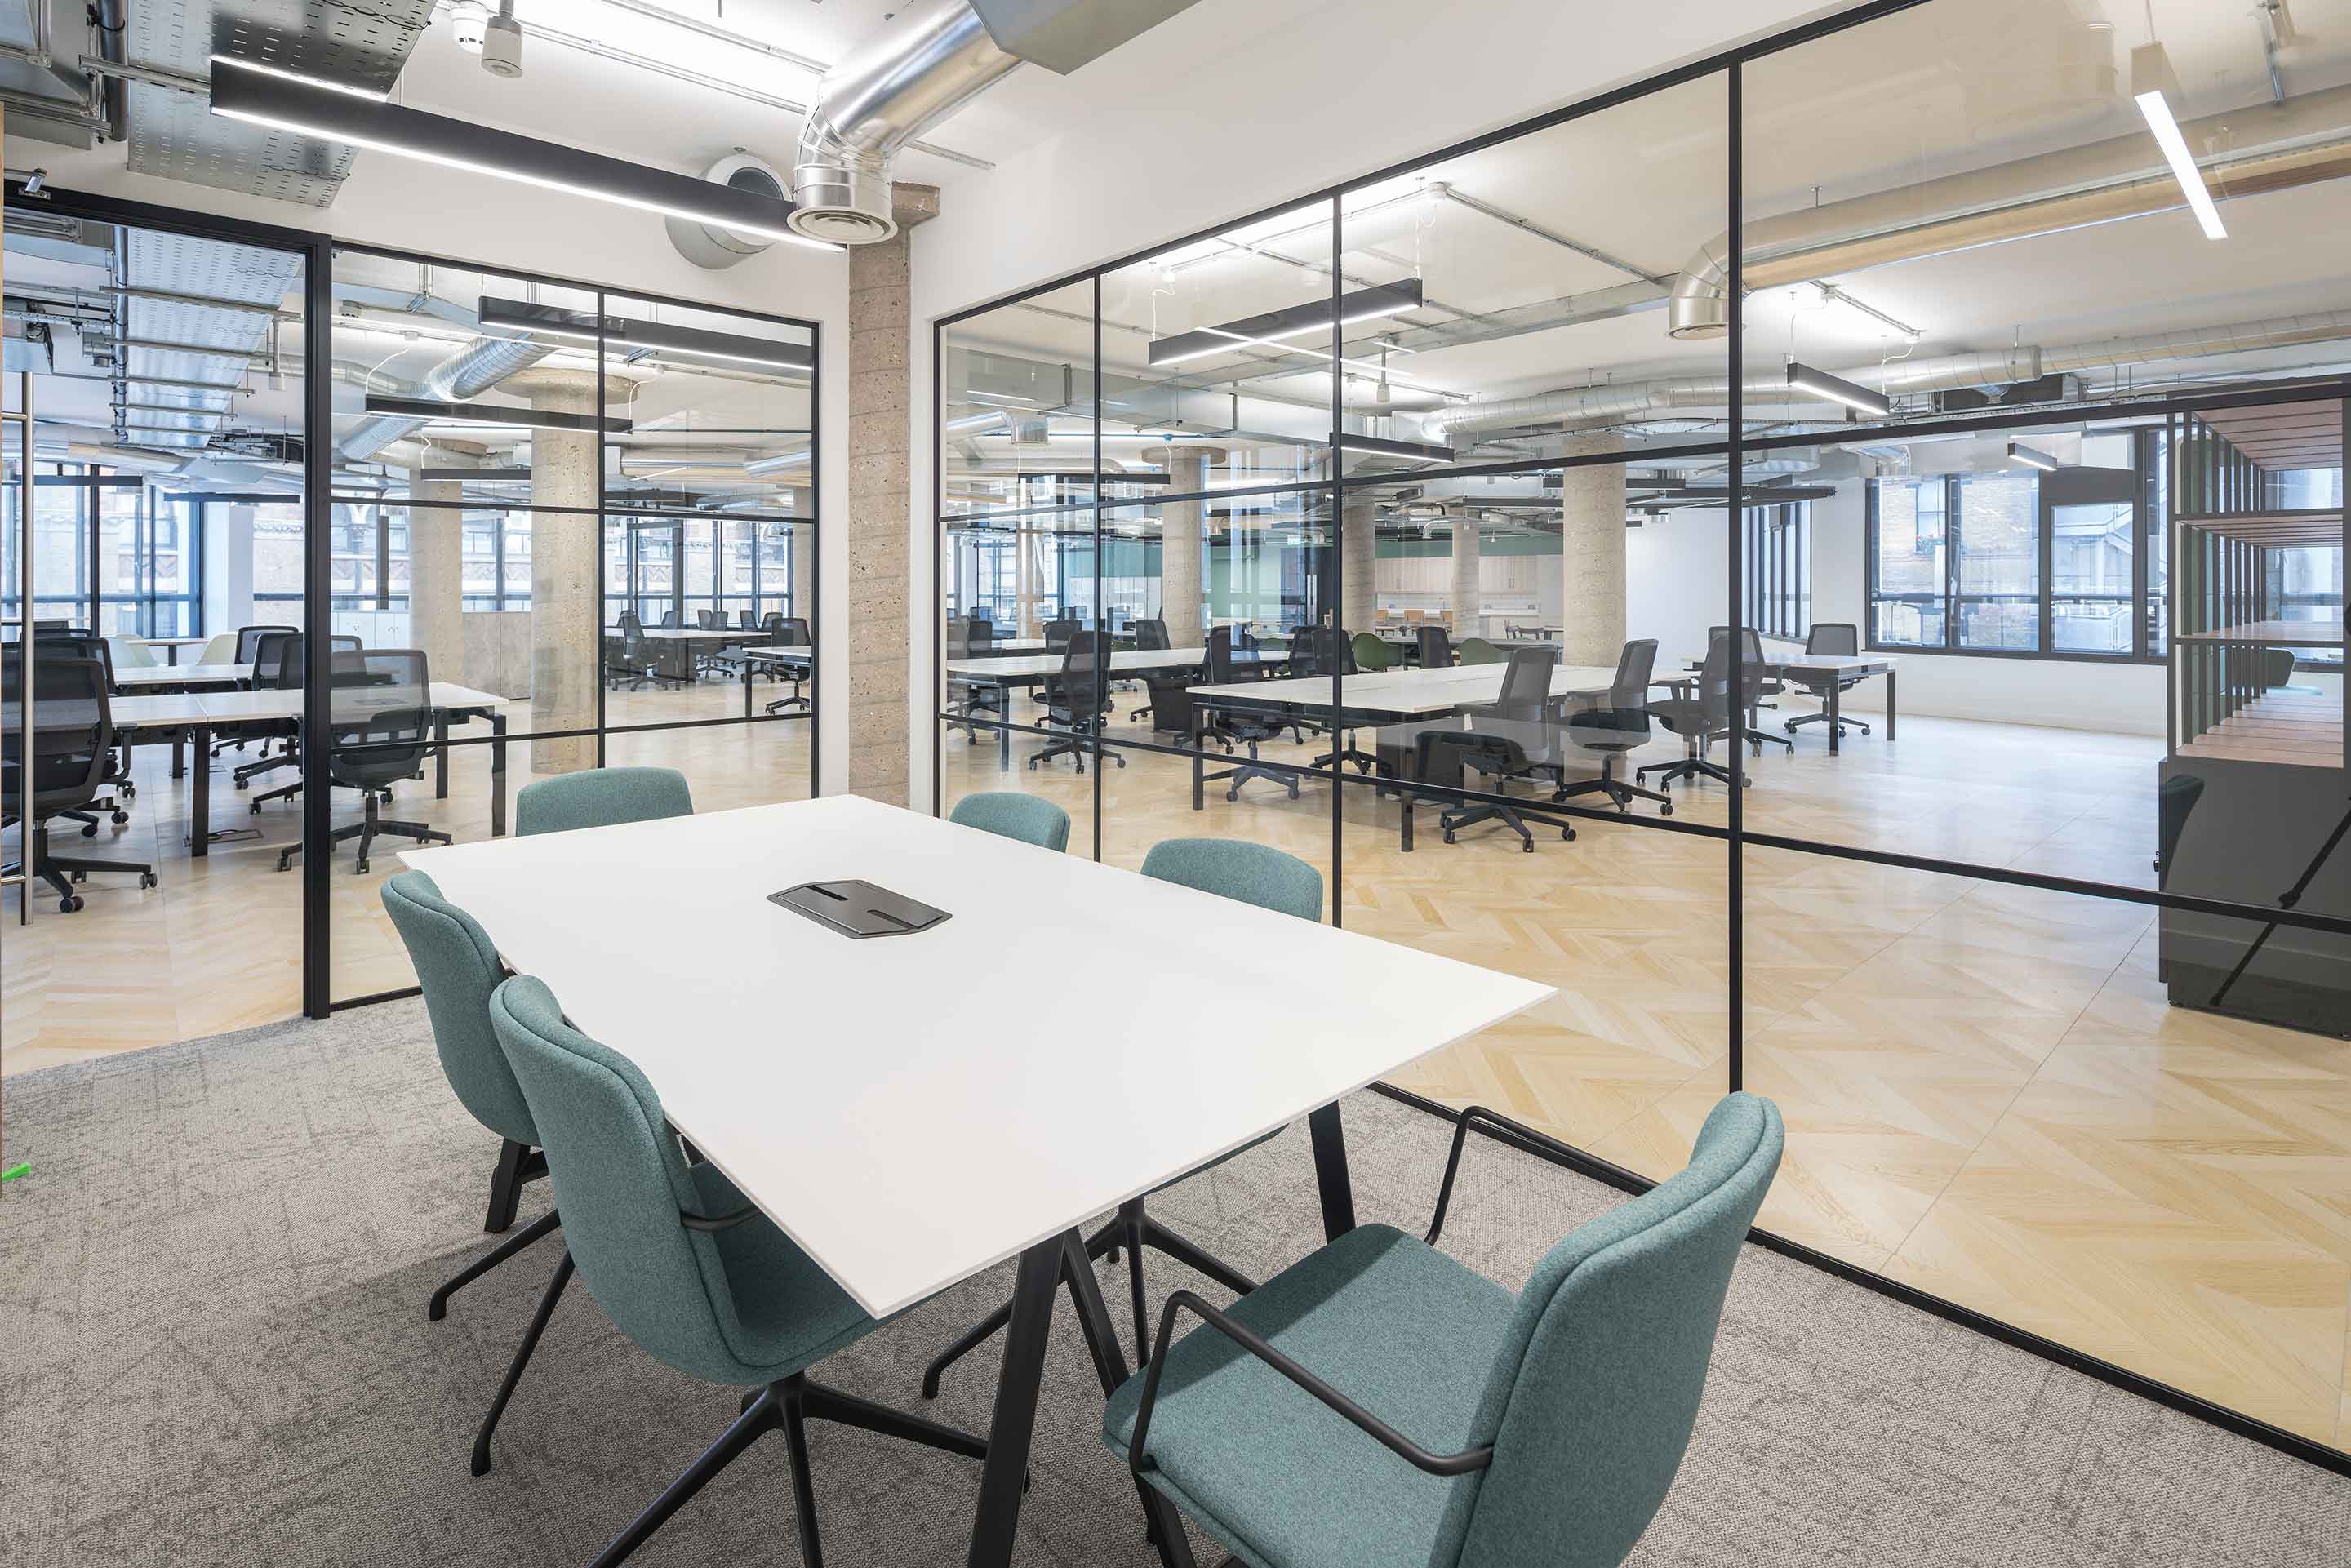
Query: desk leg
point(200, 805)
point(1006, 1473)
point(1889, 705)
point(1199, 764)
point(1406, 800)
point(441, 756)
point(1833, 685)
point(1330, 1171)
point(498, 775)
point(746, 688)
point(180, 753)
point(1004, 731)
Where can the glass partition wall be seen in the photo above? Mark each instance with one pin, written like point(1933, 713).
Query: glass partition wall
point(1828, 559)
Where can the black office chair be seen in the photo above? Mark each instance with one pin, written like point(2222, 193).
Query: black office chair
point(1244, 727)
point(630, 659)
point(1329, 648)
point(2278, 665)
point(983, 632)
point(73, 738)
point(66, 642)
point(669, 621)
point(380, 699)
point(1702, 717)
point(1074, 703)
point(790, 632)
point(248, 641)
point(1836, 638)
point(747, 620)
point(1622, 724)
point(1151, 635)
point(1757, 683)
point(1057, 634)
point(1442, 757)
point(281, 666)
point(1435, 648)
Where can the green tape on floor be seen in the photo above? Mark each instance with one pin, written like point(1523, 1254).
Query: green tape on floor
point(12, 1171)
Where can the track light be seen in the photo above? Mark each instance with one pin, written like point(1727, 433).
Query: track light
point(1820, 384)
point(626, 332)
point(1293, 321)
point(498, 413)
point(2152, 88)
point(2032, 457)
point(307, 107)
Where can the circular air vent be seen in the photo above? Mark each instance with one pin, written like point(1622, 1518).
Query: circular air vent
point(708, 245)
point(841, 226)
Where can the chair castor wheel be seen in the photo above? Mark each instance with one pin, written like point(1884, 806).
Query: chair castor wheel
point(1448, 835)
point(1529, 846)
point(242, 784)
point(81, 876)
point(360, 867)
point(147, 879)
point(68, 906)
point(1745, 782)
point(1567, 835)
point(257, 807)
point(120, 818)
point(89, 830)
point(1667, 809)
point(284, 859)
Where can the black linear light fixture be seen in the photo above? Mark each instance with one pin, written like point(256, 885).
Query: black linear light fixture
point(496, 413)
point(308, 106)
point(2033, 457)
point(553, 321)
point(1292, 321)
point(1820, 384)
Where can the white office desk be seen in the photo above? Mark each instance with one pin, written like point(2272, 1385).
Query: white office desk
point(840, 1084)
point(150, 676)
point(1847, 667)
point(171, 645)
point(1405, 694)
point(1127, 661)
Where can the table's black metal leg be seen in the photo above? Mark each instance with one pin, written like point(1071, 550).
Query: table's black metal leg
point(498, 775)
point(1833, 685)
point(1889, 705)
point(180, 755)
point(1199, 766)
point(1163, 1524)
point(1006, 1473)
point(1330, 1171)
point(1406, 801)
point(441, 756)
point(1004, 727)
point(200, 803)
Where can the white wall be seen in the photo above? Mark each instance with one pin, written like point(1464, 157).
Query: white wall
point(1675, 581)
point(403, 204)
point(1181, 130)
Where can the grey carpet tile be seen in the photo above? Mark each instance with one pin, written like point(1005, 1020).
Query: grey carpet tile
point(212, 1305)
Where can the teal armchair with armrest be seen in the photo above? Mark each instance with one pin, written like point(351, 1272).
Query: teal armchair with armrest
point(1378, 1403)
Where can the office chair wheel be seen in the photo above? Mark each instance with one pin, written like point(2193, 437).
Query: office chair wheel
point(1745, 782)
point(1566, 836)
point(1667, 809)
point(80, 875)
point(1790, 727)
point(362, 866)
point(284, 859)
point(1529, 846)
point(121, 817)
point(1448, 835)
point(88, 830)
point(67, 906)
point(147, 879)
point(257, 807)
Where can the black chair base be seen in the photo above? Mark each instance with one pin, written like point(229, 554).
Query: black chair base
point(1132, 1230)
point(61, 872)
point(1074, 747)
point(367, 830)
point(1246, 771)
point(1689, 767)
point(1453, 822)
point(1845, 722)
point(790, 1405)
point(790, 702)
point(537, 1229)
point(1616, 789)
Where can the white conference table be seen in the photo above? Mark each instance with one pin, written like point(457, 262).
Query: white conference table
point(1006, 673)
point(152, 676)
point(1846, 666)
point(901, 1150)
point(185, 720)
point(171, 645)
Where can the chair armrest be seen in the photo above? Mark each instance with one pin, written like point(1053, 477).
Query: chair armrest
point(1396, 1442)
point(707, 1223)
point(1468, 1118)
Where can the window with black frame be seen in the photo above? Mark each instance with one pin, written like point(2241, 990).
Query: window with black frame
point(1778, 563)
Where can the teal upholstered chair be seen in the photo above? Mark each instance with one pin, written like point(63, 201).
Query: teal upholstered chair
point(458, 968)
point(1229, 868)
point(601, 798)
point(683, 1263)
point(1380, 1404)
point(1009, 814)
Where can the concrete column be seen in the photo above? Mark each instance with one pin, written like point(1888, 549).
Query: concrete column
point(1466, 622)
point(880, 686)
point(804, 571)
point(1024, 580)
point(1183, 587)
point(436, 617)
point(1359, 555)
point(565, 612)
point(1592, 556)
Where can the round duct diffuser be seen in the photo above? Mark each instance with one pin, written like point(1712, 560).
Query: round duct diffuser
point(841, 226)
point(708, 245)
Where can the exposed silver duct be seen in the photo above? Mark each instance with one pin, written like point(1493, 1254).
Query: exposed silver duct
point(467, 373)
point(920, 66)
point(1997, 366)
point(2300, 142)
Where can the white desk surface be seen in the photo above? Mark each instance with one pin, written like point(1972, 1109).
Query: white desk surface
point(182, 675)
point(172, 641)
point(694, 633)
point(246, 707)
point(1410, 691)
point(1133, 659)
point(161, 710)
point(840, 1083)
point(1797, 659)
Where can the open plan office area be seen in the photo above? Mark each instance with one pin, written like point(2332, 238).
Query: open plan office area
point(1192, 783)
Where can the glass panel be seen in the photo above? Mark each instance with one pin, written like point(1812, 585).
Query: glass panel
point(676, 644)
point(720, 407)
point(1908, 599)
point(1016, 409)
point(2090, 576)
point(1999, 561)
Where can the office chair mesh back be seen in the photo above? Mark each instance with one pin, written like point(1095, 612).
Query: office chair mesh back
point(959, 639)
point(1840, 638)
point(1755, 682)
point(382, 699)
point(1237, 869)
point(73, 644)
point(248, 641)
point(1151, 636)
point(1222, 670)
point(601, 798)
point(1624, 721)
point(774, 624)
point(1526, 685)
point(73, 729)
point(705, 621)
point(1435, 648)
point(1306, 653)
point(795, 633)
point(277, 661)
point(458, 968)
point(1057, 634)
point(620, 1183)
point(983, 631)
point(1595, 1390)
point(1073, 697)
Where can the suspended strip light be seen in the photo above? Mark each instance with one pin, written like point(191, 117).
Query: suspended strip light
point(2152, 88)
point(1294, 321)
point(496, 413)
point(2032, 457)
point(1820, 384)
point(623, 331)
point(307, 107)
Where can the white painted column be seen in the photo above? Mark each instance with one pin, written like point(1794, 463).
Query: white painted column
point(1592, 556)
point(436, 613)
point(1466, 622)
point(1359, 587)
point(228, 568)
